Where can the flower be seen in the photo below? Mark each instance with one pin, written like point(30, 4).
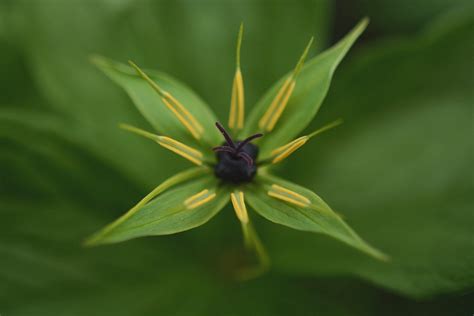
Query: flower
point(231, 166)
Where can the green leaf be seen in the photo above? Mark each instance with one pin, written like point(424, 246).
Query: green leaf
point(150, 104)
point(166, 213)
point(41, 262)
point(400, 167)
point(316, 217)
point(312, 85)
point(44, 261)
point(52, 45)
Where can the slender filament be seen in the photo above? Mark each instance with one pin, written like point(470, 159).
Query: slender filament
point(237, 101)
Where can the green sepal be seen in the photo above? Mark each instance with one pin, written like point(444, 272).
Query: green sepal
point(318, 217)
point(163, 211)
point(312, 85)
point(151, 106)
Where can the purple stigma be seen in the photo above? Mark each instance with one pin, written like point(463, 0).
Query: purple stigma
point(231, 148)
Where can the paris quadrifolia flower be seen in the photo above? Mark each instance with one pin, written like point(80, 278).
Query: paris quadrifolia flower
point(233, 164)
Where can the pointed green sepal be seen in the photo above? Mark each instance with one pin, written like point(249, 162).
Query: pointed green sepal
point(184, 201)
point(291, 205)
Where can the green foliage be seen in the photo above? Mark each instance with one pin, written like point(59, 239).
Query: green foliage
point(162, 214)
point(166, 213)
point(152, 107)
point(397, 170)
point(317, 217)
point(312, 85)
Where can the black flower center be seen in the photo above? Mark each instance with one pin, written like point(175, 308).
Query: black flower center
point(236, 160)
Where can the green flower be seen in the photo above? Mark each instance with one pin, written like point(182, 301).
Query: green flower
point(236, 169)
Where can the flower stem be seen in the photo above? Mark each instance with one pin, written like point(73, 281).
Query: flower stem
point(253, 244)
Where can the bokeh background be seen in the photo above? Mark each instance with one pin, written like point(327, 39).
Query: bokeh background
point(399, 169)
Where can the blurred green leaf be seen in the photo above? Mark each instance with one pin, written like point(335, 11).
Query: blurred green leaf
point(389, 17)
point(55, 173)
point(45, 271)
point(311, 88)
point(183, 38)
point(316, 217)
point(399, 168)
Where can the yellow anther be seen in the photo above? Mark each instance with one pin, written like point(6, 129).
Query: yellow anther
point(238, 202)
point(274, 111)
point(194, 129)
point(279, 103)
point(281, 106)
point(284, 151)
point(289, 196)
point(181, 113)
point(199, 199)
point(237, 103)
point(181, 149)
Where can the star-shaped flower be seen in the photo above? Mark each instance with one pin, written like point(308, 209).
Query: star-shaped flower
point(231, 166)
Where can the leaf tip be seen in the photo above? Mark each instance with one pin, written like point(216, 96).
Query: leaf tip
point(302, 59)
point(383, 257)
point(363, 23)
point(124, 126)
point(379, 255)
point(239, 44)
point(91, 241)
point(131, 63)
point(97, 60)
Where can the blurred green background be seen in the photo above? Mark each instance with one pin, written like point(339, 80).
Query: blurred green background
point(399, 170)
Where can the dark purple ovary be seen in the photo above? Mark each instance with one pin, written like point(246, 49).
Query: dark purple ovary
point(236, 160)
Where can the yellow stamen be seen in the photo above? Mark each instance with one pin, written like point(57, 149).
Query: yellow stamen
point(276, 103)
point(185, 111)
point(284, 151)
point(140, 132)
point(181, 149)
point(289, 196)
point(281, 106)
point(182, 114)
point(237, 103)
point(191, 128)
point(199, 199)
point(289, 149)
point(238, 202)
point(279, 103)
